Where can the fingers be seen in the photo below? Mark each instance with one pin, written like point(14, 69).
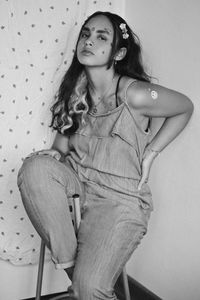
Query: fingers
point(57, 155)
point(142, 181)
point(145, 171)
point(32, 154)
point(53, 153)
point(140, 185)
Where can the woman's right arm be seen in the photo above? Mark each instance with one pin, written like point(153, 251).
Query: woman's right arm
point(58, 149)
point(60, 144)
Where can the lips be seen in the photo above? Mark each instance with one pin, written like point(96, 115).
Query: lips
point(87, 52)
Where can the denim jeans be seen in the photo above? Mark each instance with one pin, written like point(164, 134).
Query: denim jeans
point(108, 234)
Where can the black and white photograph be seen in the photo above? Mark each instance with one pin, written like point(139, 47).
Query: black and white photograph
point(99, 150)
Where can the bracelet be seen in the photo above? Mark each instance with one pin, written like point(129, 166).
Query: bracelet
point(157, 152)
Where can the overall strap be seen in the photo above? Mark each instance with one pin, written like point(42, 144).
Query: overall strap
point(117, 87)
point(130, 81)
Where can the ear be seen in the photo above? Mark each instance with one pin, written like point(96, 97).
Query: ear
point(121, 54)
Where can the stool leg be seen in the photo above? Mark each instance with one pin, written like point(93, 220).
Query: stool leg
point(40, 271)
point(125, 282)
point(77, 211)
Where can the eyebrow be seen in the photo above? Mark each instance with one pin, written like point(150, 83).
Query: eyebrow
point(98, 31)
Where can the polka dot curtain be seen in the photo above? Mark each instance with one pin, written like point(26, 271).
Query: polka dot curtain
point(37, 41)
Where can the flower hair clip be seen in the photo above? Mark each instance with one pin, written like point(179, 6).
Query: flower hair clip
point(124, 30)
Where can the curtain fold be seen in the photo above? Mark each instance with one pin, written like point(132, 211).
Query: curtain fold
point(37, 41)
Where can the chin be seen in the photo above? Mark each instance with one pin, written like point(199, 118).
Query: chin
point(84, 60)
point(87, 63)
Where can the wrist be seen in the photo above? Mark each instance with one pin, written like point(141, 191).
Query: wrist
point(153, 152)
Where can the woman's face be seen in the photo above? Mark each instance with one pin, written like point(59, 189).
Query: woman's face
point(95, 42)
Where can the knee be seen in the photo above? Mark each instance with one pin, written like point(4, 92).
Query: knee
point(34, 168)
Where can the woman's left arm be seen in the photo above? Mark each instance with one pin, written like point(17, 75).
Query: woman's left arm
point(152, 100)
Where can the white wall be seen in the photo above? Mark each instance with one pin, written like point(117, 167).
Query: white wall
point(168, 260)
point(19, 282)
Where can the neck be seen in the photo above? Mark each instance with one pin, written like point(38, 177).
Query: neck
point(98, 80)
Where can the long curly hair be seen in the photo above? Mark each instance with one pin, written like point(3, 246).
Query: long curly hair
point(73, 100)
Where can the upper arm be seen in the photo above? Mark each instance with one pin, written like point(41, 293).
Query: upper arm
point(61, 143)
point(156, 101)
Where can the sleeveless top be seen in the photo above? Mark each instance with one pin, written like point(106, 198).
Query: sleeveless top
point(107, 152)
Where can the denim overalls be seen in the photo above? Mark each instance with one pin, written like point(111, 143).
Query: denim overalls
point(104, 167)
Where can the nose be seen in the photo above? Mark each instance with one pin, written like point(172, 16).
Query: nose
point(88, 42)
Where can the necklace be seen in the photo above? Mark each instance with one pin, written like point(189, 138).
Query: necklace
point(101, 98)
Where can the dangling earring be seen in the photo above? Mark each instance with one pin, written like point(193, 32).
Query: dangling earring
point(115, 62)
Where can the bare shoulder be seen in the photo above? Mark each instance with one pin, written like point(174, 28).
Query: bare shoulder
point(156, 100)
point(140, 93)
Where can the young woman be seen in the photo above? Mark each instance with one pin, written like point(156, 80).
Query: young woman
point(103, 151)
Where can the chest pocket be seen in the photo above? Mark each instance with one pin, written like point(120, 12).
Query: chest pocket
point(118, 152)
point(110, 144)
